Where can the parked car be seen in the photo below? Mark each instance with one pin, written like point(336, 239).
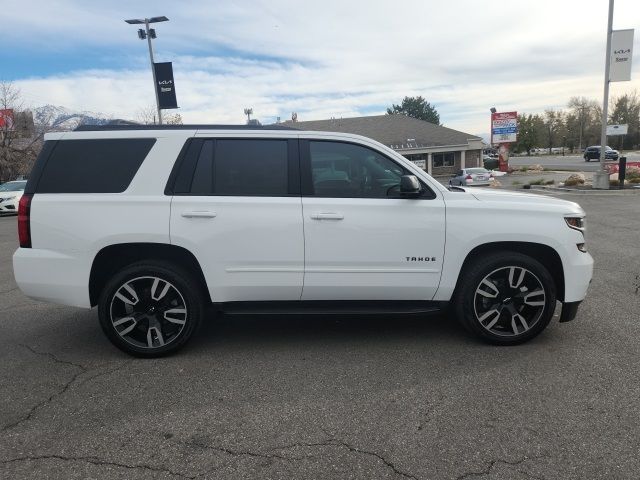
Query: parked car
point(154, 225)
point(468, 177)
point(593, 153)
point(10, 193)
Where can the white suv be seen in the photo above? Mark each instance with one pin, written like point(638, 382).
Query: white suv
point(153, 225)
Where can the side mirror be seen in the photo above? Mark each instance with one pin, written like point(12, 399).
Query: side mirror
point(409, 185)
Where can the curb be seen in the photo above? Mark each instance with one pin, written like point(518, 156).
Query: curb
point(613, 191)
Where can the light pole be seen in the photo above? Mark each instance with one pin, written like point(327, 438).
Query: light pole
point(601, 178)
point(150, 33)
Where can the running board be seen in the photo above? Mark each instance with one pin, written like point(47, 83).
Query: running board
point(331, 307)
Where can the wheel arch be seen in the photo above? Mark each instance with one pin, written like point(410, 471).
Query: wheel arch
point(544, 254)
point(112, 258)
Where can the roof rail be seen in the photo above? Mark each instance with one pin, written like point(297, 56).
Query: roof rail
point(98, 128)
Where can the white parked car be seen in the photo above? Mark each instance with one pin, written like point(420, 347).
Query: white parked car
point(469, 177)
point(10, 193)
point(154, 224)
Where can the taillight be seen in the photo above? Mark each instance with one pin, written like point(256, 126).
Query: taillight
point(468, 177)
point(24, 226)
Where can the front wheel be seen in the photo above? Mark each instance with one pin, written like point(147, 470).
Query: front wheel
point(150, 309)
point(505, 299)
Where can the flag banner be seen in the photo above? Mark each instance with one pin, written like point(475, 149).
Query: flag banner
point(621, 55)
point(165, 85)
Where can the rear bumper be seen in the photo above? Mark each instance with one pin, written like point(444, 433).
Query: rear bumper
point(52, 276)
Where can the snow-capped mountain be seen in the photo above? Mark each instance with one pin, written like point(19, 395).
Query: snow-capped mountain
point(53, 117)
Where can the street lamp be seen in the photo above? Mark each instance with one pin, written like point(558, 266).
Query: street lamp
point(150, 33)
point(248, 112)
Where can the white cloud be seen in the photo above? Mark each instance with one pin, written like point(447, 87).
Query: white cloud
point(333, 58)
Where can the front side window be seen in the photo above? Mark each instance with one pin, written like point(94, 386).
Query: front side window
point(344, 170)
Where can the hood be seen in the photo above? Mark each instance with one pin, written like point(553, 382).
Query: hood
point(530, 199)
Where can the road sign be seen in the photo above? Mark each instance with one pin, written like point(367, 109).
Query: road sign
point(504, 127)
point(617, 129)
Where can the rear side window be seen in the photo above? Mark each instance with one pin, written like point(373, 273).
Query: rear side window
point(250, 167)
point(93, 166)
point(238, 167)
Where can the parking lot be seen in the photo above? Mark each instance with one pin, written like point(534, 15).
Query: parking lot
point(332, 397)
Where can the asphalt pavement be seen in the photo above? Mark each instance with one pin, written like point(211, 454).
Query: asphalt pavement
point(567, 162)
point(402, 397)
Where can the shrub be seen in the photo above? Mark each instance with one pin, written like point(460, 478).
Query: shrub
point(539, 181)
point(575, 179)
point(614, 183)
point(550, 182)
point(633, 172)
point(634, 180)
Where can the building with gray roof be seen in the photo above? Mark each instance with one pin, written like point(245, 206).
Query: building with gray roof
point(439, 150)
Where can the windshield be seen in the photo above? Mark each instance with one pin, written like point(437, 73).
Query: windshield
point(12, 186)
point(477, 170)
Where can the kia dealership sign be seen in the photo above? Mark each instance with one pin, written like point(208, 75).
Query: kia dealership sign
point(621, 55)
point(504, 127)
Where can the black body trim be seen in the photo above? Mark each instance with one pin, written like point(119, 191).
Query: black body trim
point(569, 311)
point(331, 307)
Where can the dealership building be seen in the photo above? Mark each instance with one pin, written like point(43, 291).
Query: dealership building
point(439, 150)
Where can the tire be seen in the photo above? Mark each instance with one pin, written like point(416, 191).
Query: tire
point(159, 317)
point(500, 311)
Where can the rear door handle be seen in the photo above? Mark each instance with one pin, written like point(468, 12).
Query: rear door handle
point(327, 216)
point(199, 214)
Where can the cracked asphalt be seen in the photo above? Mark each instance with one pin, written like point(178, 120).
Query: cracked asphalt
point(332, 397)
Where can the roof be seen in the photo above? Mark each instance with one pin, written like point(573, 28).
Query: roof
point(112, 127)
point(396, 131)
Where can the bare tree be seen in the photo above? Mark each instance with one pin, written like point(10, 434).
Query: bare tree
point(18, 148)
point(583, 109)
point(149, 116)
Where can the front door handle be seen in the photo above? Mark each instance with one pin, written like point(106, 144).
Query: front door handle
point(327, 216)
point(199, 214)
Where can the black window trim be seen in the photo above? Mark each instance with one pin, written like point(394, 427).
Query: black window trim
point(293, 167)
point(306, 179)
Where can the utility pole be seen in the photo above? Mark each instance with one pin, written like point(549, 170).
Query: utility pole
point(150, 33)
point(601, 178)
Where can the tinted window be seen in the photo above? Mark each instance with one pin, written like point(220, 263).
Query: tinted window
point(203, 174)
point(93, 166)
point(250, 167)
point(344, 170)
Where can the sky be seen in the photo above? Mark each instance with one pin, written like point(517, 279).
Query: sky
point(321, 59)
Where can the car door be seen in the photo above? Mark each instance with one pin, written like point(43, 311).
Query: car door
point(236, 206)
point(363, 241)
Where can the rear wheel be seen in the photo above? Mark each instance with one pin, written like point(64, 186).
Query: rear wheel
point(150, 309)
point(506, 298)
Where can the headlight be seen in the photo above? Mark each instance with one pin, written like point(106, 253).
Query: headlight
point(577, 223)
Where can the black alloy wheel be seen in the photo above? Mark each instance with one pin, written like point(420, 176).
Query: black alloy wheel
point(505, 298)
point(150, 309)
